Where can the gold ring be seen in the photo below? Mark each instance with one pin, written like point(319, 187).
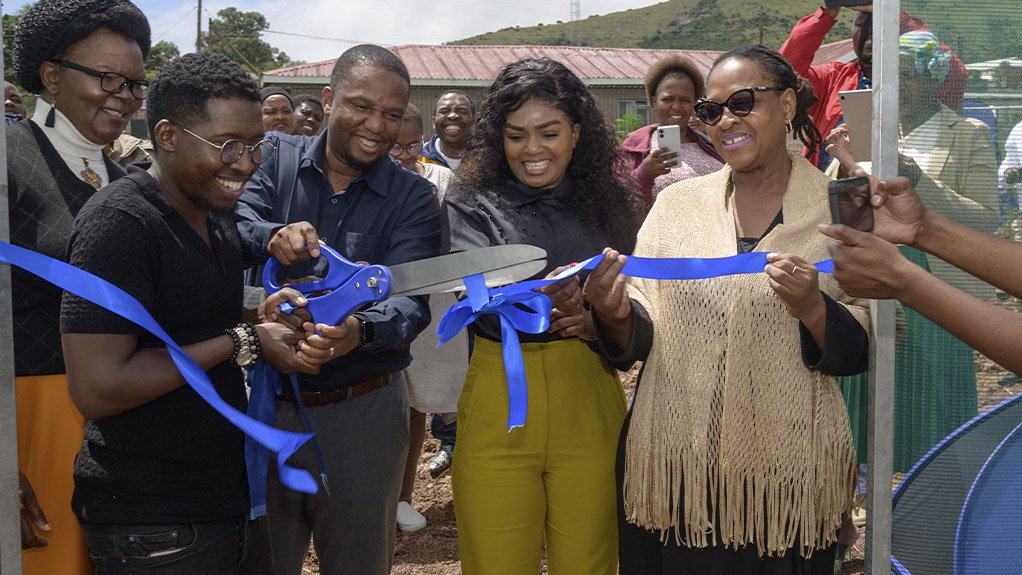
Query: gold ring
point(794, 269)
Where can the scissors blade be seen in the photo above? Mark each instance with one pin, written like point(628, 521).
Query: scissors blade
point(499, 265)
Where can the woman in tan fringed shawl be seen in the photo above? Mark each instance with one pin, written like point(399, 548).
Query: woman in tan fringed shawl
point(737, 456)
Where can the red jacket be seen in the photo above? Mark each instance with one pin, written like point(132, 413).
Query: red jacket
point(827, 80)
point(833, 77)
point(636, 147)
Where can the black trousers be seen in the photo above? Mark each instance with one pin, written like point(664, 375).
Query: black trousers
point(222, 547)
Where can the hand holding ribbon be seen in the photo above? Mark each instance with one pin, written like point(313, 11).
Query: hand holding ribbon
point(508, 302)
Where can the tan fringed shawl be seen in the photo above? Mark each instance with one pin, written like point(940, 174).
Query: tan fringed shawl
point(729, 421)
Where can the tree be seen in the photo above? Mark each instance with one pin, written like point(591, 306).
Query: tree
point(627, 124)
point(10, 22)
point(235, 34)
point(161, 53)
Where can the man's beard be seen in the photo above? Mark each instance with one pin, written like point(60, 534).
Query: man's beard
point(350, 160)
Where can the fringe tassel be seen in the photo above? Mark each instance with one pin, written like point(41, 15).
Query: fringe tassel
point(51, 117)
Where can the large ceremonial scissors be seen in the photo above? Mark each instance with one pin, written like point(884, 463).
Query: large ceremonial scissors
point(350, 286)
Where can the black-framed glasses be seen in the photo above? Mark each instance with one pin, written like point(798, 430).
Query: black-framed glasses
point(412, 149)
point(232, 150)
point(111, 82)
point(740, 103)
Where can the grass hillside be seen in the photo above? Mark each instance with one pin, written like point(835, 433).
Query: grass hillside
point(692, 24)
point(980, 30)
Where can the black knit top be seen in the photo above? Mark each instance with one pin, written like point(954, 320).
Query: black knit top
point(45, 197)
point(173, 459)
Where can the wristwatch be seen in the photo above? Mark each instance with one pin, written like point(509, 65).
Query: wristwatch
point(366, 333)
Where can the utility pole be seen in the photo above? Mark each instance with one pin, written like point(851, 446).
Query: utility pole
point(198, 28)
point(576, 23)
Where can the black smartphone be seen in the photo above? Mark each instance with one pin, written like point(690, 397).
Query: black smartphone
point(849, 203)
point(833, 3)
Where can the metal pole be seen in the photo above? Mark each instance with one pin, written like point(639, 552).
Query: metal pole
point(880, 455)
point(198, 28)
point(10, 499)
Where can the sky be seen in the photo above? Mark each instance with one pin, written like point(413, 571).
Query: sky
point(314, 30)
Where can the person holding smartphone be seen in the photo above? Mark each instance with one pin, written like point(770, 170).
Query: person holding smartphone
point(672, 86)
point(830, 79)
point(870, 265)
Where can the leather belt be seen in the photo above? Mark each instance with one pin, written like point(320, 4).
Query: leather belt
point(314, 399)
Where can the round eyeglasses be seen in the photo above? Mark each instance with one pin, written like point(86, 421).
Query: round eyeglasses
point(412, 149)
point(232, 150)
point(111, 82)
point(740, 103)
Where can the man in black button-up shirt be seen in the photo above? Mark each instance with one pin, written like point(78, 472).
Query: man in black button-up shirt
point(342, 187)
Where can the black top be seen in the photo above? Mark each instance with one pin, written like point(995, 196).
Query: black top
point(388, 216)
point(517, 214)
point(45, 196)
point(173, 459)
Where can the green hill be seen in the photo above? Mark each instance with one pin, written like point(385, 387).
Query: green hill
point(982, 30)
point(692, 24)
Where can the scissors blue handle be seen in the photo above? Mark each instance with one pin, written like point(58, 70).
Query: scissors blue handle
point(351, 286)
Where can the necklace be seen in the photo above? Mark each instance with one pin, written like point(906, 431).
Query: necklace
point(90, 176)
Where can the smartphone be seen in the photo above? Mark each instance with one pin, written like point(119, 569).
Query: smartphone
point(669, 138)
point(832, 3)
point(849, 203)
point(857, 110)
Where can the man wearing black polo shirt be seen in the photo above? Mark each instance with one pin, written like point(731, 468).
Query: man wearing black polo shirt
point(160, 483)
point(341, 186)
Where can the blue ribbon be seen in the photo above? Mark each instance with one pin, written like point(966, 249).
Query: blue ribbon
point(112, 298)
point(508, 302)
point(525, 311)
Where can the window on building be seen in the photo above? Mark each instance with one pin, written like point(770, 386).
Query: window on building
point(638, 107)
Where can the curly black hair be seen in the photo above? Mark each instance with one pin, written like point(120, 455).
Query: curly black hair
point(51, 26)
point(602, 195)
point(784, 76)
point(367, 56)
point(183, 86)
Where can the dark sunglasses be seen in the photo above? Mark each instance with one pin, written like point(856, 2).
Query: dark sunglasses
point(740, 103)
point(232, 150)
point(412, 149)
point(110, 82)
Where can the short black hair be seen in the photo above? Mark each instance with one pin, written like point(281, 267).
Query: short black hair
point(412, 115)
point(300, 99)
point(471, 104)
point(183, 87)
point(367, 56)
point(51, 26)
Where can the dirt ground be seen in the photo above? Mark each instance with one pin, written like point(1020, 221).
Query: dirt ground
point(434, 549)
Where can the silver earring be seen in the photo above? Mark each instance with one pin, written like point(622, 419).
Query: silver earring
point(787, 127)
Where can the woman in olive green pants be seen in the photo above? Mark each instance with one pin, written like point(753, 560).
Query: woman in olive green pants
point(540, 171)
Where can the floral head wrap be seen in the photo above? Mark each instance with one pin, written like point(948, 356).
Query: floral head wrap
point(930, 57)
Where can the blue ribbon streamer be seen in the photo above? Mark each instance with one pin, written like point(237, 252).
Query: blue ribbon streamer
point(508, 302)
point(112, 298)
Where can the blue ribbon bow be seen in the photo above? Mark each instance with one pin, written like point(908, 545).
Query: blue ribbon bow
point(112, 298)
point(508, 302)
